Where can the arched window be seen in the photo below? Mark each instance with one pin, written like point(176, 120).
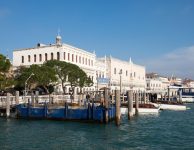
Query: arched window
point(46, 57)
point(52, 57)
point(34, 58)
point(28, 58)
point(64, 55)
point(68, 57)
point(58, 56)
point(115, 71)
point(72, 58)
point(40, 57)
point(22, 59)
point(82, 60)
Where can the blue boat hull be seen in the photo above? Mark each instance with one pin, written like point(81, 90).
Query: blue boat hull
point(91, 113)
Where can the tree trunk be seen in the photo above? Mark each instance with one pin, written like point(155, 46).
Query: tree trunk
point(62, 86)
point(46, 89)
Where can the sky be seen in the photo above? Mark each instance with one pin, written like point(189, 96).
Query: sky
point(158, 34)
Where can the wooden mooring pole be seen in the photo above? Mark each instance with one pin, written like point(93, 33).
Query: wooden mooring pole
point(106, 104)
point(17, 97)
point(79, 99)
point(118, 107)
point(8, 105)
point(32, 99)
point(136, 103)
point(130, 103)
point(144, 97)
point(36, 96)
point(168, 94)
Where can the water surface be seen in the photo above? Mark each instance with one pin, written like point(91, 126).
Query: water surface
point(168, 130)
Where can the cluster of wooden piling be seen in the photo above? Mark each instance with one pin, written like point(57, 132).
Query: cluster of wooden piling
point(105, 98)
point(172, 95)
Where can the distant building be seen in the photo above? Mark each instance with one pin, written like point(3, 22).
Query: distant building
point(188, 83)
point(165, 82)
point(175, 80)
point(156, 83)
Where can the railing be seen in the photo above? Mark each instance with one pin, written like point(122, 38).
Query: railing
point(39, 99)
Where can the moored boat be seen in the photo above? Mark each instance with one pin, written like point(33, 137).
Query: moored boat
point(170, 106)
point(143, 109)
point(187, 95)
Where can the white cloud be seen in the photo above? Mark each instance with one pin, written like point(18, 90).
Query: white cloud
point(179, 63)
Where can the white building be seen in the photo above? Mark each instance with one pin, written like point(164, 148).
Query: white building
point(63, 52)
point(122, 74)
point(165, 82)
point(105, 72)
point(156, 83)
point(188, 83)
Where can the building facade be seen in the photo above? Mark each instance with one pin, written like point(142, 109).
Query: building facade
point(156, 83)
point(123, 75)
point(105, 72)
point(62, 52)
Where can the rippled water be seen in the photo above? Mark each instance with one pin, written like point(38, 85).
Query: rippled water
point(168, 130)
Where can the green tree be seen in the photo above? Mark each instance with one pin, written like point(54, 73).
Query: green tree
point(76, 76)
point(4, 64)
point(60, 70)
point(6, 77)
point(43, 76)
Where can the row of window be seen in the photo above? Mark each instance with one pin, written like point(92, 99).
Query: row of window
point(99, 75)
point(153, 85)
point(121, 72)
point(126, 73)
point(70, 57)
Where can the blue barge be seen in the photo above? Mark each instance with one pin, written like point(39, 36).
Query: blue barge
point(89, 113)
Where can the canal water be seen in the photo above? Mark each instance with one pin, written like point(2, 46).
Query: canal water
point(167, 130)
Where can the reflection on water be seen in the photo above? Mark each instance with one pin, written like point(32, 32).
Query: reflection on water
point(167, 130)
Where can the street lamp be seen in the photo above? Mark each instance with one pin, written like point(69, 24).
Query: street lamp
point(97, 83)
point(78, 90)
point(26, 82)
point(120, 73)
point(131, 85)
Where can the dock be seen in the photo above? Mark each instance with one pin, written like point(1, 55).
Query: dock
point(96, 106)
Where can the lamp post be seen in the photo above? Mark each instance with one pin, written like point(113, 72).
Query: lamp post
point(120, 73)
point(79, 88)
point(26, 82)
point(131, 83)
point(97, 83)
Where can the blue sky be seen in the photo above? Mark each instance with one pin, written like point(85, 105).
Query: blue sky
point(158, 34)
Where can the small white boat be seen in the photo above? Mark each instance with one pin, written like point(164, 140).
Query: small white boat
point(124, 110)
point(170, 106)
